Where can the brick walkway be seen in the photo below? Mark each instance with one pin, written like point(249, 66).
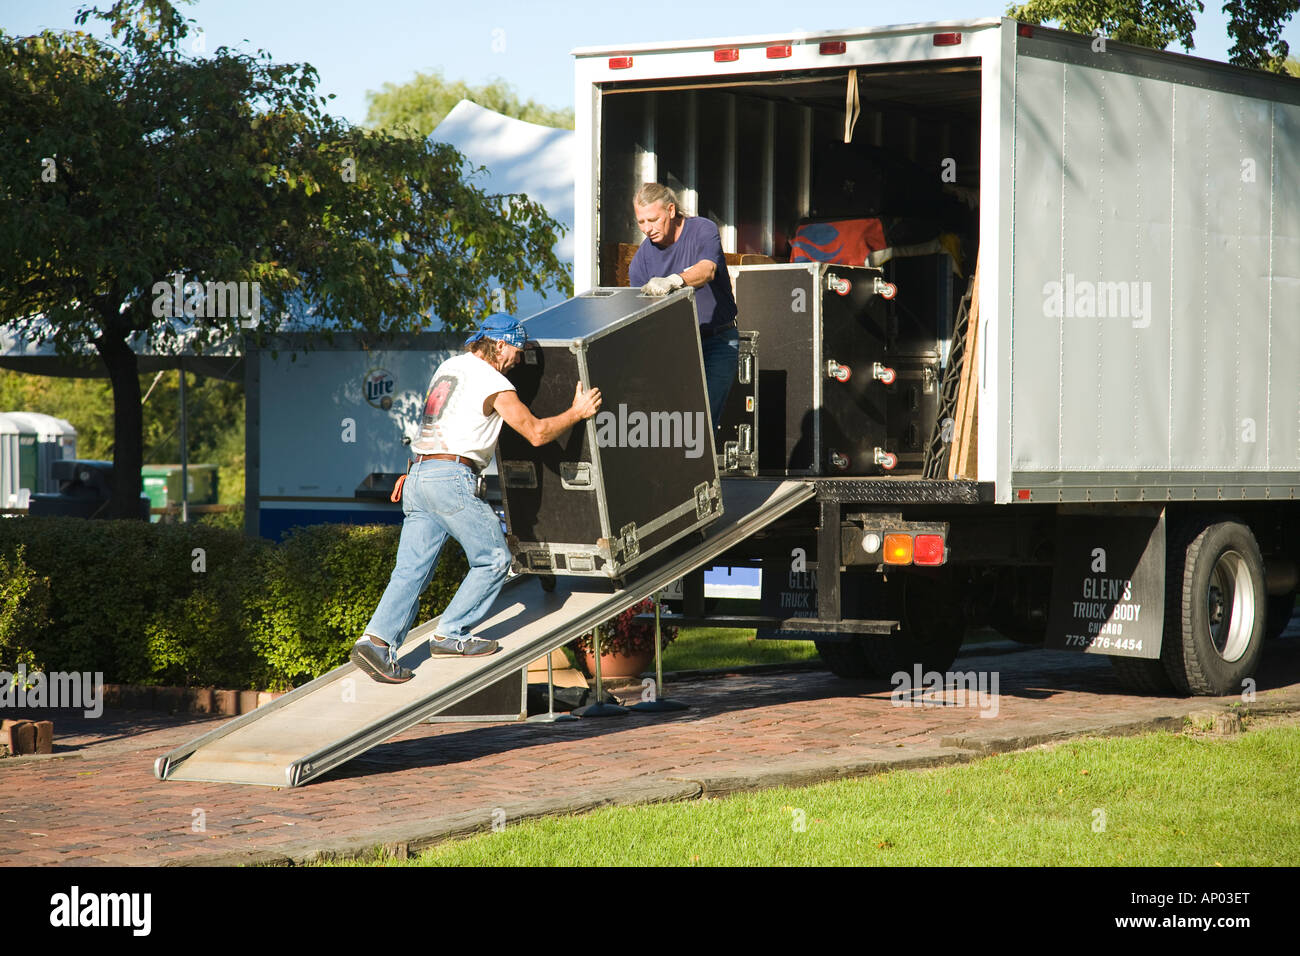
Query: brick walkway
point(96, 801)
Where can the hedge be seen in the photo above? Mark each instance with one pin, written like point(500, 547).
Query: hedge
point(194, 604)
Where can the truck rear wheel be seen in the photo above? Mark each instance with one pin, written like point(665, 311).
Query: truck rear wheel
point(1214, 609)
point(845, 658)
point(931, 627)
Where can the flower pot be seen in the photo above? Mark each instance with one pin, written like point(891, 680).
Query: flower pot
point(619, 666)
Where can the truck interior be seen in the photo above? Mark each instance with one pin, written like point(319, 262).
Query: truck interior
point(765, 153)
point(841, 165)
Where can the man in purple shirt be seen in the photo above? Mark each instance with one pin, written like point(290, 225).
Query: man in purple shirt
point(678, 252)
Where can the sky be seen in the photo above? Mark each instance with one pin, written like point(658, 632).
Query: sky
point(358, 46)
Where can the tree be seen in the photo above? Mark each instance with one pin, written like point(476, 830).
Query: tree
point(420, 104)
point(1255, 25)
point(156, 200)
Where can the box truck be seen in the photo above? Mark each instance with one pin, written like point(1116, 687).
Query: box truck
point(1064, 397)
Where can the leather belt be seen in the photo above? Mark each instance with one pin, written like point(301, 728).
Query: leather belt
point(709, 330)
point(468, 462)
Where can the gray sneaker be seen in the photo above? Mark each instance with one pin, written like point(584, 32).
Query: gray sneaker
point(374, 662)
point(455, 647)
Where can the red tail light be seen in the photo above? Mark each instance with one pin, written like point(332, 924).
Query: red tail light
point(928, 549)
point(947, 39)
point(726, 56)
point(620, 62)
point(831, 47)
point(778, 52)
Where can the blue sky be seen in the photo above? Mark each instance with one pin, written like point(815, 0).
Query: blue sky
point(357, 46)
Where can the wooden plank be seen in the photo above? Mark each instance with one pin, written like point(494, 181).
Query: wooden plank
point(962, 458)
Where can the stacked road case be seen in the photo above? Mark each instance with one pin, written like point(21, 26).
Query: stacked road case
point(844, 388)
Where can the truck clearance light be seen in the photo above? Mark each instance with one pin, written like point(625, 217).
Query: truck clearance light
point(1025, 30)
point(620, 62)
point(947, 39)
point(1023, 494)
point(898, 549)
point(726, 56)
point(928, 549)
point(831, 47)
point(778, 52)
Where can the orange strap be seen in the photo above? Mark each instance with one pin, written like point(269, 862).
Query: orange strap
point(396, 496)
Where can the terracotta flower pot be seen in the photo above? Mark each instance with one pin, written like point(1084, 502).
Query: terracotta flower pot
point(619, 666)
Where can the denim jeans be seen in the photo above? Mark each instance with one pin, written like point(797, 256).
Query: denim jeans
point(721, 354)
point(438, 499)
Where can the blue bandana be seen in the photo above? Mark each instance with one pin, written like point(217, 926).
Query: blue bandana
point(503, 327)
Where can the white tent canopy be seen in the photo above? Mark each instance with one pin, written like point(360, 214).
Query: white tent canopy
point(519, 158)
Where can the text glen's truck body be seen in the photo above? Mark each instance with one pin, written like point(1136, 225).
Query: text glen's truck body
point(1096, 443)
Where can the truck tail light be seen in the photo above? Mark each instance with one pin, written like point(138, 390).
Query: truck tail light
point(726, 56)
point(1025, 30)
point(778, 52)
point(947, 39)
point(928, 549)
point(620, 62)
point(831, 47)
point(898, 549)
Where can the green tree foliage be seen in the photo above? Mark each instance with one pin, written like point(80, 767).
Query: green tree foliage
point(1254, 25)
point(123, 166)
point(420, 104)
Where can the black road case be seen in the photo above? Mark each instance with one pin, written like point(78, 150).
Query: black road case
point(639, 475)
point(737, 437)
point(844, 390)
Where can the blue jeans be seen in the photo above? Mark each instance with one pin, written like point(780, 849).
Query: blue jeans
point(721, 354)
point(438, 499)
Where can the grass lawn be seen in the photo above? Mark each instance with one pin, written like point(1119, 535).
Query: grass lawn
point(699, 648)
point(1158, 800)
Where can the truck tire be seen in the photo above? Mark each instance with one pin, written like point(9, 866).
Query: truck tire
point(931, 627)
point(1214, 608)
point(845, 659)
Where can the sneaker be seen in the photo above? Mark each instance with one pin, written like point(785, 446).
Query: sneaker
point(374, 662)
point(455, 647)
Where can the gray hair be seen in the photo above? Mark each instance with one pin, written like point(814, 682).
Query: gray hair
point(651, 193)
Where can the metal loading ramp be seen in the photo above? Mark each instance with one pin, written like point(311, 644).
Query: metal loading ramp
point(318, 726)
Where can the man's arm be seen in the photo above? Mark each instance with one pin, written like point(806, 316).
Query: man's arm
point(700, 274)
point(539, 431)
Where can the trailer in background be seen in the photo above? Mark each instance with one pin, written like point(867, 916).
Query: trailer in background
point(1112, 458)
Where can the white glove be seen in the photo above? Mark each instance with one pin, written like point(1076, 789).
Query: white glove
point(663, 286)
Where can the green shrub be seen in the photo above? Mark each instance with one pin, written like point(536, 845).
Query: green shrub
point(195, 604)
point(322, 584)
point(24, 612)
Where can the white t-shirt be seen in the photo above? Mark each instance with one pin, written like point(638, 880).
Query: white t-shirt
point(453, 422)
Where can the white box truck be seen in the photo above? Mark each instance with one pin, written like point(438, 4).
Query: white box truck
point(1113, 446)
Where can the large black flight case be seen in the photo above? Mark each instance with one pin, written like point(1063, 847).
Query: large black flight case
point(639, 475)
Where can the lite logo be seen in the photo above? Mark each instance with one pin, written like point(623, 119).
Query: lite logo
point(102, 909)
point(379, 386)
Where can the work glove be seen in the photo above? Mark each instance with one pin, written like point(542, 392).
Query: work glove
point(663, 286)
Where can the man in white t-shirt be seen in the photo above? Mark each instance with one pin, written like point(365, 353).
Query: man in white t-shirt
point(468, 399)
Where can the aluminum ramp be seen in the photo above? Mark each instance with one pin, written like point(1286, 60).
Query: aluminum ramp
point(318, 726)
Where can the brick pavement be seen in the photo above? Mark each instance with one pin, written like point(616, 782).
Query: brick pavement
point(96, 802)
